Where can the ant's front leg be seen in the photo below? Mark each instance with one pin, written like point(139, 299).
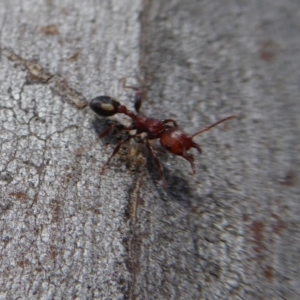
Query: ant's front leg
point(138, 101)
point(106, 131)
point(190, 158)
point(138, 96)
point(125, 86)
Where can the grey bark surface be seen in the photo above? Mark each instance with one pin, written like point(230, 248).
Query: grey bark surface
point(230, 232)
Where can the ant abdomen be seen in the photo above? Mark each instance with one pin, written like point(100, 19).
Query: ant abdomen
point(104, 106)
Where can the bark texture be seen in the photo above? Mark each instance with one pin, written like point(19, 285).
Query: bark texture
point(230, 232)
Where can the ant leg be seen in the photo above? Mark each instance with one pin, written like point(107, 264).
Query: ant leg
point(190, 158)
point(170, 120)
point(116, 150)
point(106, 131)
point(158, 164)
point(125, 86)
point(213, 125)
point(195, 145)
point(138, 96)
point(138, 101)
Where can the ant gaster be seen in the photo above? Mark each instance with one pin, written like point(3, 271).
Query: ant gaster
point(171, 137)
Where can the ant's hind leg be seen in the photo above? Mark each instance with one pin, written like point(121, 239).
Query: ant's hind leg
point(196, 146)
point(213, 125)
point(116, 150)
point(158, 164)
point(190, 158)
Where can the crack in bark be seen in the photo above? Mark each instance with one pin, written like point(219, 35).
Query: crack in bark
point(38, 74)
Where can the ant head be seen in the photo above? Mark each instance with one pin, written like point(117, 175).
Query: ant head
point(104, 106)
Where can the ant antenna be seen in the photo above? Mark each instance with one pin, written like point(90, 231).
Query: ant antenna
point(213, 125)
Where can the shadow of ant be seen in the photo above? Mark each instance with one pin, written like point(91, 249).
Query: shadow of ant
point(179, 188)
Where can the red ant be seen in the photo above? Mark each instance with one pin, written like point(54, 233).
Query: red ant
point(171, 137)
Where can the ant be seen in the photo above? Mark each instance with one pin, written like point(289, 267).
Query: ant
point(171, 137)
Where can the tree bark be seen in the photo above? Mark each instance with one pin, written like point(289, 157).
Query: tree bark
point(230, 232)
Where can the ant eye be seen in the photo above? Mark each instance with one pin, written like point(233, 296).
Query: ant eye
point(104, 106)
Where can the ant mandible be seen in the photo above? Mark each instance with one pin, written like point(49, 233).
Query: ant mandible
point(171, 137)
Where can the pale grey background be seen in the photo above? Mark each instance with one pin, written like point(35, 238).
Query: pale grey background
point(231, 231)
